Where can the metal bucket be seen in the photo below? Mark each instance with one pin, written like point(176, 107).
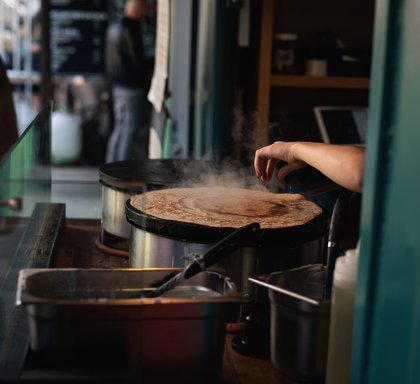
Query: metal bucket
point(299, 321)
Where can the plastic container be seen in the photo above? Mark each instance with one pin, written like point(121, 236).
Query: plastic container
point(341, 323)
point(66, 137)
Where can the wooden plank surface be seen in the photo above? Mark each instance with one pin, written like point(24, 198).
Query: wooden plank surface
point(295, 81)
point(35, 250)
point(240, 369)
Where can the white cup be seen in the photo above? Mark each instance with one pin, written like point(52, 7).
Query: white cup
point(316, 67)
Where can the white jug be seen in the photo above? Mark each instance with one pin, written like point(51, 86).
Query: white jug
point(66, 137)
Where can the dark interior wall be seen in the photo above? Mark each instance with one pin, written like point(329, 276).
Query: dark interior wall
point(8, 125)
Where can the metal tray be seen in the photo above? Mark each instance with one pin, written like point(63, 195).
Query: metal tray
point(98, 313)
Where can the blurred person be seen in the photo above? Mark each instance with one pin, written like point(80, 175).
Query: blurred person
point(343, 164)
point(8, 123)
point(36, 60)
point(125, 66)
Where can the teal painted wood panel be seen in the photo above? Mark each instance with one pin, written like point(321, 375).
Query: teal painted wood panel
point(386, 339)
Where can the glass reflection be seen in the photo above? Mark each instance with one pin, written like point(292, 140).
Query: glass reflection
point(25, 179)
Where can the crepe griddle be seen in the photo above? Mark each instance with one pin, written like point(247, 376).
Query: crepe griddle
point(197, 233)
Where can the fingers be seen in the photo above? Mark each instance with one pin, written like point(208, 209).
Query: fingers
point(271, 164)
point(264, 166)
point(260, 164)
point(266, 159)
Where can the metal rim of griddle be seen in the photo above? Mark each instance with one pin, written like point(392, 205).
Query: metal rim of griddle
point(198, 233)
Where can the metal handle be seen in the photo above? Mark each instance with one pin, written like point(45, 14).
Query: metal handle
point(221, 249)
point(14, 203)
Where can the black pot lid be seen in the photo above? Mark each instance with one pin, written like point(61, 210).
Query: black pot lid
point(137, 175)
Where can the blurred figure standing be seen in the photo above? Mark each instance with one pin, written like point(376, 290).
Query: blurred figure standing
point(125, 66)
point(36, 60)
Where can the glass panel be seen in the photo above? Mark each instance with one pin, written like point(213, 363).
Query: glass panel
point(25, 179)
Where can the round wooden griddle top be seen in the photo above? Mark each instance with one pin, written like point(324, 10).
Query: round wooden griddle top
point(226, 207)
point(208, 214)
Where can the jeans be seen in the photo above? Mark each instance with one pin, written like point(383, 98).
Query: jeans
point(129, 107)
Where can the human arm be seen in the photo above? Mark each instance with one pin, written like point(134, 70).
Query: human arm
point(341, 163)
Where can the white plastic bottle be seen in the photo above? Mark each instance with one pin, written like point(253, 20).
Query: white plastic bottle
point(66, 137)
point(341, 322)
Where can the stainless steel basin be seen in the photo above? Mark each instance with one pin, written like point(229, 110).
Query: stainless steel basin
point(99, 311)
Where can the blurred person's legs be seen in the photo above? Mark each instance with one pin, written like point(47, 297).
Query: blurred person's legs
point(129, 106)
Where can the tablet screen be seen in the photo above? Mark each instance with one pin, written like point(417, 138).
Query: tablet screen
point(342, 125)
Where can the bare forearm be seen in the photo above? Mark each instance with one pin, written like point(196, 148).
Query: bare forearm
point(342, 164)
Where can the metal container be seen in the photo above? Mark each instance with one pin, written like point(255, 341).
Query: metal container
point(113, 218)
point(299, 322)
point(150, 250)
point(99, 313)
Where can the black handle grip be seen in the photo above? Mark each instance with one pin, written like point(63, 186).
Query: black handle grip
point(222, 249)
point(333, 249)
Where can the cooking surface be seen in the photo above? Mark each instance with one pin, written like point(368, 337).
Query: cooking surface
point(207, 214)
point(227, 207)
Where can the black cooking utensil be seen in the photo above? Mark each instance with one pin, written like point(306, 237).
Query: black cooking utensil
point(333, 249)
point(217, 252)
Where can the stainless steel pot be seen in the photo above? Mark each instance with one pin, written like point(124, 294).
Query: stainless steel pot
point(299, 323)
point(150, 250)
point(113, 216)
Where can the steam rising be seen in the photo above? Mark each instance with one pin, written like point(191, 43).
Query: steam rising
point(218, 174)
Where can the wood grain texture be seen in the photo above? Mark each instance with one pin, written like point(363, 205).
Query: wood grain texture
point(225, 207)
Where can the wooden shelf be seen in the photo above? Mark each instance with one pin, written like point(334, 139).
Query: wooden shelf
point(319, 82)
point(267, 81)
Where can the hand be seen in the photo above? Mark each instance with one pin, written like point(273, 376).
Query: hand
point(343, 164)
point(266, 159)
